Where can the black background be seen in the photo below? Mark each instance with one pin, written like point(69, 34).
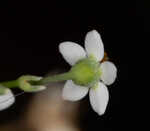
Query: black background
point(30, 33)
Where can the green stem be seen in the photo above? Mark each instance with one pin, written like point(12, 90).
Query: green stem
point(43, 81)
point(55, 78)
point(10, 84)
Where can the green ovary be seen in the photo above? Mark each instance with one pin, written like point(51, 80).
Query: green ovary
point(86, 72)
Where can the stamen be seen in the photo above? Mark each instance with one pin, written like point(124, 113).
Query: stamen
point(106, 58)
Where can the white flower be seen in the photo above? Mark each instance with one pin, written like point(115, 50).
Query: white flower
point(72, 53)
point(6, 100)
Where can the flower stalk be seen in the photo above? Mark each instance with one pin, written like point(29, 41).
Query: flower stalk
point(43, 81)
point(10, 84)
point(55, 78)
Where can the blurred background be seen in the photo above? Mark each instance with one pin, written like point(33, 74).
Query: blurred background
point(30, 33)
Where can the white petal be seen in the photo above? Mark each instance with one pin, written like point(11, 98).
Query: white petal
point(6, 100)
point(109, 72)
point(72, 52)
point(73, 92)
point(94, 45)
point(99, 98)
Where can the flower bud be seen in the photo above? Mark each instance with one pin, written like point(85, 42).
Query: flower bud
point(6, 98)
point(25, 85)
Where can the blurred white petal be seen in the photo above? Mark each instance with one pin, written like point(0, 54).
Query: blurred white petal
point(109, 72)
point(71, 52)
point(94, 45)
point(73, 92)
point(6, 100)
point(99, 98)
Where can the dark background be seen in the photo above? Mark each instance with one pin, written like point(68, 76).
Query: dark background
point(30, 33)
